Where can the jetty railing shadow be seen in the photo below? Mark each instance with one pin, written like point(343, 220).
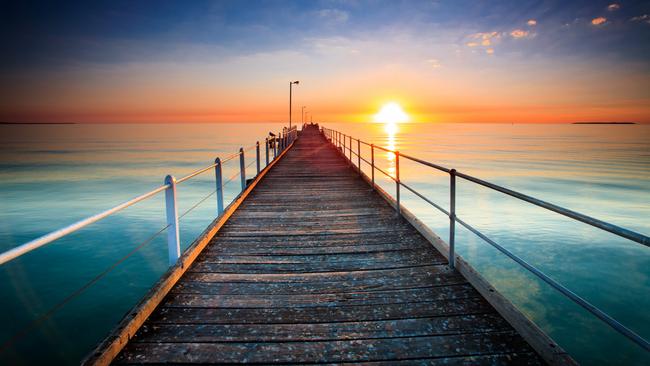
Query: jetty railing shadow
point(273, 148)
point(346, 145)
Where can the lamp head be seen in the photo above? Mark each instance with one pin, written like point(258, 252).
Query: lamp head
point(295, 82)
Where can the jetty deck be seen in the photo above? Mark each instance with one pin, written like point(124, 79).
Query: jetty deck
point(316, 267)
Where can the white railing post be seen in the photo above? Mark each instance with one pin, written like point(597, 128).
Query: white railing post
point(242, 168)
point(257, 153)
point(359, 155)
point(372, 163)
point(173, 237)
point(452, 216)
point(275, 146)
point(350, 148)
point(219, 182)
point(397, 183)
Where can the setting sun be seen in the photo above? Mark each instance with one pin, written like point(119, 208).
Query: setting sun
point(390, 115)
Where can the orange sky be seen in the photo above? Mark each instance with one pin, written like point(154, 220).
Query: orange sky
point(533, 66)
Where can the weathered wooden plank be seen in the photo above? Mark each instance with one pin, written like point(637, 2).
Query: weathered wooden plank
point(320, 314)
point(514, 358)
point(463, 291)
point(348, 253)
point(328, 351)
point(321, 331)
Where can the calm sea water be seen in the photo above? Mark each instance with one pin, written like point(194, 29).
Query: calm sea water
point(51, 176)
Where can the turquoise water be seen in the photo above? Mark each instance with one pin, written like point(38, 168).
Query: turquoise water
point(51, 176)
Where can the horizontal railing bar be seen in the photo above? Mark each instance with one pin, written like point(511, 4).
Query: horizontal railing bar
point(202, 170)
point(48, 238)
point(366, 161)
point(386, 174)
point(614, 229)
point(424, 198)
point(432, 165)
point(385, 149)
point(630, 334)
point(195, 173)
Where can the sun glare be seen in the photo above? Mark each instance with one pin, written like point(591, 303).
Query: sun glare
point(390, 115)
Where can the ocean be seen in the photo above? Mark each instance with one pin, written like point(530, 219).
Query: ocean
point(54, 175)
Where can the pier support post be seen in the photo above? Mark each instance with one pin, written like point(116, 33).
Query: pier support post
point(257, 153)
point(397, 183)
point(219, 183)
point(275, 147)
point(242, 168)
point(452, 216)
point(173, 237)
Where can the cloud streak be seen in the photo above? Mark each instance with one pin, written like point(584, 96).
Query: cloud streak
point(599, 21)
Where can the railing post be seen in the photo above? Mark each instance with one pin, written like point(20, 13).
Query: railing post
point(266, 148)
point(343, 145)
point(452, 216)
point(372, 163)
point(397, 184)
point(173, 237)
point(275, 147)
point(242, 168)
point(219, 182)
point(350, 153)
point(257, 153)
point(359, 155)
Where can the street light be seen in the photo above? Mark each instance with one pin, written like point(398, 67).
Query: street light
point(290, 85)
point(302, 118)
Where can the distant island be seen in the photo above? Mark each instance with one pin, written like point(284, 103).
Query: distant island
point(604, 123)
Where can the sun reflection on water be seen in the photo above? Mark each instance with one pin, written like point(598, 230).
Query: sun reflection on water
point(390, 144)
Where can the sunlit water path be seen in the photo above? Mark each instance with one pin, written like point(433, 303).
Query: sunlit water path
point(51, 176)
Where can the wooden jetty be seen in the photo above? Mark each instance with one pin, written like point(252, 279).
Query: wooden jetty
point(311, 265)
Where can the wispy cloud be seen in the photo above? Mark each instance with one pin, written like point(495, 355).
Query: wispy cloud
point(613, 7)
point(641, 18)
point(599, 21)
point(333, 15)
point(434, 63)
point(532, 22)
point(483, 39)
point(519, 33)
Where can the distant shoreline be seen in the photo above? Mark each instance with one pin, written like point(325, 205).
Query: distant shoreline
point(604, 123)
point(38, 123)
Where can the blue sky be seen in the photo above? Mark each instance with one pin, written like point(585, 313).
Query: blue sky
point(53, 48)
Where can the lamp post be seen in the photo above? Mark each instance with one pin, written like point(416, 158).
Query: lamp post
point(290, 85)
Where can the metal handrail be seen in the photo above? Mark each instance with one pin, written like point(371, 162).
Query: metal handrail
point(169, 189)
point(48, 238)
point(614, 229)
point(203, 170)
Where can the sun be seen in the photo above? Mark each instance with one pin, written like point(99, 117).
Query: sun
point(390, 115)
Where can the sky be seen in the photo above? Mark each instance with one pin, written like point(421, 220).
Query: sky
point(231, 61)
